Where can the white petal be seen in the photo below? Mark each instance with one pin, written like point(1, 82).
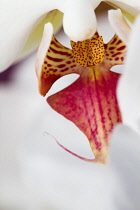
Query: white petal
point(129, 84)
point(119, 24)
point(95, 3)
point(118, 68)
point(79, 20)
point(132, 7)
point(44, 45)
point(17, 19)
point(125, 158)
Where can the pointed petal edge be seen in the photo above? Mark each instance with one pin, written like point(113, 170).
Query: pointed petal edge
point(119, 24)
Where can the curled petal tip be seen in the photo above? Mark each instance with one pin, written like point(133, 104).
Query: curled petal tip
point(79, 20)
point(119, 24)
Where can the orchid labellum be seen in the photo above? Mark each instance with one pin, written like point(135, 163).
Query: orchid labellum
point(90, 102)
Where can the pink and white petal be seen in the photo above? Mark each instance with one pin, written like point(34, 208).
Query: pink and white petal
point(53, 61)
point(129, 84)
point(91, 104)
point(119, 24)
point(18, 19)
point(79, 20)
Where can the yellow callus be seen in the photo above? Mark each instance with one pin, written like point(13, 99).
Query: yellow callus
point(90, 52)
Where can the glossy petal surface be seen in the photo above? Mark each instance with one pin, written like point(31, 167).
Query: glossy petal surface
point(79, 20)
point(18, 19)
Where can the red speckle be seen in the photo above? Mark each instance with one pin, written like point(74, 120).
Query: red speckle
point(119, 42)
point(121, 48)
point(114, 40)
point(98, 145)
point(111, 48)
point(116, 59)
point(49, 65)
point(54, 59)
point(73, 66)
point(61, 66)
point(116, 54)
point(66, 69)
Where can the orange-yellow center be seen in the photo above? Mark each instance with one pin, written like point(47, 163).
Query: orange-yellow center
point(90, 52)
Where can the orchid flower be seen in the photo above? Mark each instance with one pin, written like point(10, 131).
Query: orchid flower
point(33, 178)
point(90, 102)
point(25, 26)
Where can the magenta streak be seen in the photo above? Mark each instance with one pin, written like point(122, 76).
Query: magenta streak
point(69, 151)
point(94, 114)
point(106, 90)
point(97, 91)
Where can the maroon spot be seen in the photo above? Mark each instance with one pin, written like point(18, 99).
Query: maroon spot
point(57, 45)
point(96, 34)
point(119, 42)
point(72, 66)
point(114, 40)
point(105, 46)
point(118, 53)
point(121, 48)
point(60, 52)
point(116, 59)
point(122, 58)
point(111, 48)
point(66, 69)
point(54, 59)
point(54, 70)
point(61, 66)
point(49, 65)
point(45, 62)
point(68, 62)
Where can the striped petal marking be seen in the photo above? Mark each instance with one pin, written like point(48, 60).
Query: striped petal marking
point(90, 102)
